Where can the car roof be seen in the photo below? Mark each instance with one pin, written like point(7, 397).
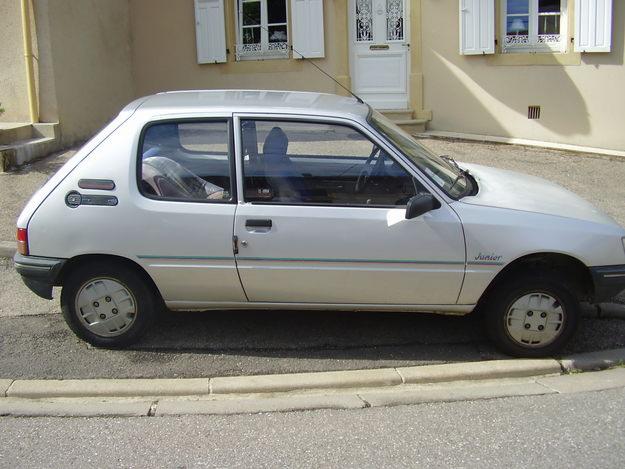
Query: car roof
point(253, 101)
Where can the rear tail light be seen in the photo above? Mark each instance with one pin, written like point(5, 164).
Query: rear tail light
point(22, 241)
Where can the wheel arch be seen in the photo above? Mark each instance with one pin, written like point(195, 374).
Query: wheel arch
point(573, 269)
point(77, 261)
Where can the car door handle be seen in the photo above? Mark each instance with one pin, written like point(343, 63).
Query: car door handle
point(265, 223)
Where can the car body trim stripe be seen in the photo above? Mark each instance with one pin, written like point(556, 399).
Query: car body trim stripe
point(305, 259)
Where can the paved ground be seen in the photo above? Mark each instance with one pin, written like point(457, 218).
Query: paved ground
point(539, 431)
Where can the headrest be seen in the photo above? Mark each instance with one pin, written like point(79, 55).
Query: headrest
point(276, 142)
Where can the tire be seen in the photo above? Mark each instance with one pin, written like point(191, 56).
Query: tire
point(107, 304)
point(531, 315)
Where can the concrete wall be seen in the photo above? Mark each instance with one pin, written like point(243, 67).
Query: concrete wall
point(13, 96)
point(582, 103)
point(83, 63)
point(164, 53)
point(90, 55)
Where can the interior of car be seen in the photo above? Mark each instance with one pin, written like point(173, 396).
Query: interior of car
point(283, 162)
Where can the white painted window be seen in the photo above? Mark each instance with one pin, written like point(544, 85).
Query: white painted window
point(593, 25)
point(262, 31)
point(534, 25)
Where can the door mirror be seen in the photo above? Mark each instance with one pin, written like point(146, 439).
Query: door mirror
point(420, 204)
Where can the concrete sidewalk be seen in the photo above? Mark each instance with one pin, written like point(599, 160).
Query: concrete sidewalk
point(356, 389)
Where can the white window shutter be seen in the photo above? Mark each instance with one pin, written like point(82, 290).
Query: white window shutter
point(210, 31)
point(593, 25)
point(477, 27)
point(307, 28)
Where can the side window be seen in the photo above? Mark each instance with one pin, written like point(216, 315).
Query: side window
point(317, 163)
point(187, 161)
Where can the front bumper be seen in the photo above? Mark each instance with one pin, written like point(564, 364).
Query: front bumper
point(609, 281)
point(39, 274)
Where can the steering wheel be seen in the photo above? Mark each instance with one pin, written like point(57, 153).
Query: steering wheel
point(365, 175)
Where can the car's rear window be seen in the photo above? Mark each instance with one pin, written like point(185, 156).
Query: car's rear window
point(188, 161)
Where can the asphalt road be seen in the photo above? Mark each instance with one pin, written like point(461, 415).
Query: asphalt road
point(36, 343)
point(567, 430)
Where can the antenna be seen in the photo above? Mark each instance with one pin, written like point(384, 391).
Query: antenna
point(309, 61)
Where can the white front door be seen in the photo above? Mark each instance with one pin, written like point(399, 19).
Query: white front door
point(379, 34)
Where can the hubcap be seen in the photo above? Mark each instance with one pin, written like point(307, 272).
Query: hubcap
point(535, 319)
point(105, 307)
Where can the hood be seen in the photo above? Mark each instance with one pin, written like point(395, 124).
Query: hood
point(516, 191)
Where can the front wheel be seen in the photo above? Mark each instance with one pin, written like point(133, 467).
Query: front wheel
point(531, 315)
point(107, 304)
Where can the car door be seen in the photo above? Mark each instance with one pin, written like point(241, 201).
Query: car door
point(185, 210)
point(321, 219)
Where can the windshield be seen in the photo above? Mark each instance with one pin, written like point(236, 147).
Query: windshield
point(444, 173)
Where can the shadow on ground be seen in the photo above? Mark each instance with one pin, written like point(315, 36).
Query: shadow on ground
point(258, 342)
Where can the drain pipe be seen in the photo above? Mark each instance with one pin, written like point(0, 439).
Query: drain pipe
point(28, 56)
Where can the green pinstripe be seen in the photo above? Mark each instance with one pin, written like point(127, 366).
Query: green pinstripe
point(308, 259)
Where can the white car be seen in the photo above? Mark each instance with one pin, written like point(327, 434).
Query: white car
point(199, 200)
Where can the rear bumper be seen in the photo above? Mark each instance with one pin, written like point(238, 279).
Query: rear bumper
point(609, 281)
point(39, 274)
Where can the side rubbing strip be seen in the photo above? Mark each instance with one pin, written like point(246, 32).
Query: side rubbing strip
point(98, 184)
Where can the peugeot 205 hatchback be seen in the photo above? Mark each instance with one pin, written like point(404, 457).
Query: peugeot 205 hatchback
point(263, 199)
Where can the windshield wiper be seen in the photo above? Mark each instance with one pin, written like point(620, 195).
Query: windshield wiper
point(462, 173)
point(450, 160)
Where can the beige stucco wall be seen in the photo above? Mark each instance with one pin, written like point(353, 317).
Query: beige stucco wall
point(164, 53)
point(581, 104)
point(13, 96)
point(90, 54)
point(82, 65)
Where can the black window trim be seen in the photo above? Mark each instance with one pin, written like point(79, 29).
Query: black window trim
point(196, 120)
point(328, 120)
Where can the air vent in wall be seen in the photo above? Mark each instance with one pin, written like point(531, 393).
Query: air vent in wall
point(533, 112)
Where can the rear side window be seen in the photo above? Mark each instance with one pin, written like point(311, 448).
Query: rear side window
point(187, 161)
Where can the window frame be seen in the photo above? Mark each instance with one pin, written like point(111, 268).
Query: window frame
point(534, 16)
point(264, 53)
point(190, 120)
point(328, 120)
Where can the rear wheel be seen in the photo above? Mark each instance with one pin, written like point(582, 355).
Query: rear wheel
point(107, 304)
point(531, 314)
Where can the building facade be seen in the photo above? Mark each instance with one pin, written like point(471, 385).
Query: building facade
point(544, 70)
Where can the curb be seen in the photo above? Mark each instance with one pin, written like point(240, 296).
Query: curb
point(279, 383)
point(354, 389)
point(593, 361)
point(7, 249)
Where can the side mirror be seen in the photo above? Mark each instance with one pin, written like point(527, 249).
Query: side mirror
point(420, 204)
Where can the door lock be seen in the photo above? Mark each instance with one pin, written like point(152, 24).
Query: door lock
point(243, 243)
